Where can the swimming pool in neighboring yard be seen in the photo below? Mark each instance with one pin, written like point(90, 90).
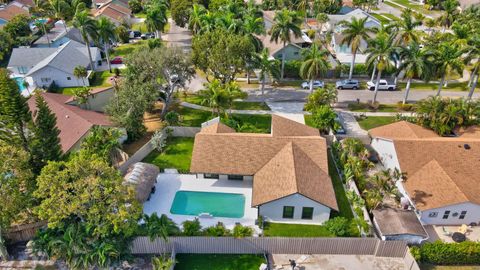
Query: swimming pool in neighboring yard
point(2, 22)
point(217, 204)
point(21, 83)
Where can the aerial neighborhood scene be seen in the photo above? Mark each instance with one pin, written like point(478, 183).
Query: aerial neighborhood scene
point(240, 134)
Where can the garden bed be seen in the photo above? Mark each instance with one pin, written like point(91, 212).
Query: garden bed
point(177, 154)
point(219, 261)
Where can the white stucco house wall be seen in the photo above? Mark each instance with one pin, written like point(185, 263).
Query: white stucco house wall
point(442, 183)
point(44, 66)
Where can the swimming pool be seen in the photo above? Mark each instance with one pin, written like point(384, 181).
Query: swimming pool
point(2, 22)
point(20, 82)
point(217, 204)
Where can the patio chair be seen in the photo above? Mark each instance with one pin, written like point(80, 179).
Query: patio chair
point(446, 232)
point(463, 229)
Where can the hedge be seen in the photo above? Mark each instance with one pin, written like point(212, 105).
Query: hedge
point(292, 69)
point(465, 253)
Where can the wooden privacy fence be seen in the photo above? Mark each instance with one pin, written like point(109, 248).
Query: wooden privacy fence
point(275, 245)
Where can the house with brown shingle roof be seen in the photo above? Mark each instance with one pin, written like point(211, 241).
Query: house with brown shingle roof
point(73, 122)
point(288, 168)
point(113, 10)
point(442, 180)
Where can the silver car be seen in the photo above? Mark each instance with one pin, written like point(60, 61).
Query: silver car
point(347, 84)
point(316, 84)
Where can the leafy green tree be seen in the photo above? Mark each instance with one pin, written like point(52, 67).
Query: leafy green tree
point(87, 190)
point(180, 11)
point(315, 62)
point(323, 118)
point(195, 18)
point(60, 10)
point(286, 24)
point(6, 43)
point(19, 30)
point(268, 66)
point(354, 32)
point(162, 226)
point(379, 54)
point(88, 30)
point(81, 95)
point(407, 27)
point(214, 97)
point(46, 145)
point(156, 17)
point(448, 58)
point(208, 53)
point(414, 62)
point(320, 97)
point(103, 142)
point(338, 226)
point(81, 73)
point(122, 34)
point(15, 117)
point(106, 33)
point(135, 6)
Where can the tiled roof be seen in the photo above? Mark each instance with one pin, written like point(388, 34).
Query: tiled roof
point(72, 121)
point(257, 154)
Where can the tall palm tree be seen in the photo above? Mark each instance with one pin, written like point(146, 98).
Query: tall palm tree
point(448, 58)
point(253, 26)
point(321, 18)
point(267, 65)
point(315, 62)
point(473, 57)
point(106, 32)
point(354, 33)
point(80, 72)
point(213, 96)
point(156, 18)
point(286, 23)
point(379, 53)
point(88, 30)
point(60, 8)
point(195, 19)
point(450, 13)
point(407, 31)
point(414, 62)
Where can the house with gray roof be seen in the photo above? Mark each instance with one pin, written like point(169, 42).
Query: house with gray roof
point(44, 66)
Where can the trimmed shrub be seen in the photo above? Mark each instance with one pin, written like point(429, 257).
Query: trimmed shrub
point(240, 231)
point(217, 230)
point(292, 69)
point(192, 227)
point(467, 253)
point(339, 226)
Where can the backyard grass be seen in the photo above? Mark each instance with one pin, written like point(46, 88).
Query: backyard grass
point(177, 154)
point(391, 16)
point(308, 120)
point(219, 261)
point(370, 122)
point(126, 49)
point(237, 105)
point(419, 86)
point(99, 79)
point(380, 18)
point(448, 267)
point(295, 230)
point(342, 201)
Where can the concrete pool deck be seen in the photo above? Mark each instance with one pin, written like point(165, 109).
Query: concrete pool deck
point(169, 183)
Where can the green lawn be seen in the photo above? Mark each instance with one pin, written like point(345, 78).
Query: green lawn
point(141, 26)
point(255, 123)
point(296, 230)
point(237, 105)
point(177, 154)
point(463, 86)
point(370, 122)
point(308, 120)
point(100, 79)
point(364, 107)
point(219, 261)
point(391, 16)
point(380, 18)
point(126, 49)
point(448, 267)
point(342, 201)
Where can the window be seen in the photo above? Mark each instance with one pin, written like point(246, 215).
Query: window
point(235, 177)
point(307, 212)
point(288, 211)
point(68, 78)
point(433, 214)
point(295, 53)
point(446, 214)
point(210, 176)
point(462, 215)
point(45, 79)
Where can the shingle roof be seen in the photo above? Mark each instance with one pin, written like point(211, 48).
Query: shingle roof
point(274, 47)
point(11, 11)
point(114, 11)
point(72, 121)
point(257, 154)
point(217, 128)
point(402, 129)
point(66, 58)
point(396, 222)
point(29, 57)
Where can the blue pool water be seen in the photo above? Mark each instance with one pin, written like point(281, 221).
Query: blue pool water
point(21, 83)
point(2, 22)
point(228, 205)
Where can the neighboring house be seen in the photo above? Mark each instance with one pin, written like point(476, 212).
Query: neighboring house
point(343, 53)
point(43, 66)
point(400, 225)
point(292, 50)
point(25, 4)
point(442, 180)
point(97, 100)
point(57, 36)
point(73, 122)
point(116, 11)
point(11, 10)
point(289, 168)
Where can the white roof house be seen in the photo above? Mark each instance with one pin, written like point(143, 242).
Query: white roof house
point(43, 66)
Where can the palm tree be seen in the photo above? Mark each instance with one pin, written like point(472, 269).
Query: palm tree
point(379, 54)
point(407, 28)
point(213, 96)
point(156, 18)
point(80, 72)
point(160, 226)
point(413, 63)
point(315, 62)
point(286, 23)
point(162, 263)
point(60, 8)
point(88, 30)
point(195, 19)
point(106, 32)
point(267, 65)
point(448, 58)
point(354, 33)
point(322, 18)
point(450, 13)
point(430, 23)
point(41, 25)
point(473, 57)
point(253, 26)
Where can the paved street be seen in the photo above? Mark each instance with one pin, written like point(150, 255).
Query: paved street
point(344, 96)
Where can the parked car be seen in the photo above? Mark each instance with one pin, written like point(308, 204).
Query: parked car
point(348, 84)
point(316, 84)
point(134, 34)
point(382, 86)
point(117, 60)
point(147, 35)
